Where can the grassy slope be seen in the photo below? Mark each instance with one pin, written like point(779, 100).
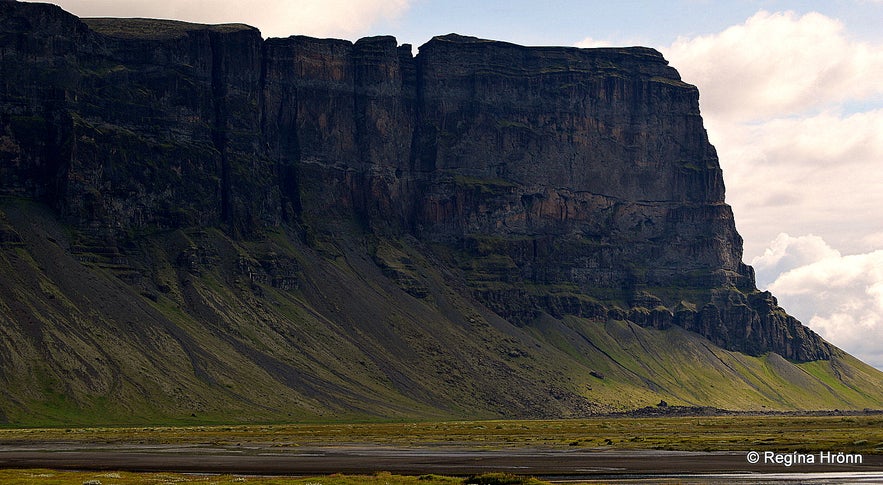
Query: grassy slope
point(145, 338)
point(644, 364)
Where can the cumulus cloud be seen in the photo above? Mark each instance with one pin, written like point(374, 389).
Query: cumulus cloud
point(817, 174)
point(840, 297)
point(589, 43)
point(275, 18)
point(786, 253)
point(794, 105)
point(779, 64)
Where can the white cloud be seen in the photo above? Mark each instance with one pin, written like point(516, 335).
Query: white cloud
point(778, 64)
point(275, 18)
point(840, 297)
point(794, 105)
point(589, 43)
point(817, 174)
point(795, 108)
point(786, 253)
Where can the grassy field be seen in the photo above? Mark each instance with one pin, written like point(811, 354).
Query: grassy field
point(53, 477)
point(57, 477)
point(855, 434)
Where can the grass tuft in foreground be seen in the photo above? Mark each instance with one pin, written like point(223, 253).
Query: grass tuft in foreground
point(501, 479)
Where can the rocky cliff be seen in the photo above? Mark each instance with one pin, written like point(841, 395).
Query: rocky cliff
point(477, 180)
point(574, 176)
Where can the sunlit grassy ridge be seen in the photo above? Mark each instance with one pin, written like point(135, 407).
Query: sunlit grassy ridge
point(154, 29)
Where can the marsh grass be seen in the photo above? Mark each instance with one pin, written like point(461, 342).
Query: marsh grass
point(853, 434)
point(55, 477)
point(850, 434)
point(501, 479)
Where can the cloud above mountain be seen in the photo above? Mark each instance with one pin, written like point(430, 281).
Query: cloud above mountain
point(840, 297)
point(795, 108)
point(794, 105)
point(779, 64)
point(275, 18)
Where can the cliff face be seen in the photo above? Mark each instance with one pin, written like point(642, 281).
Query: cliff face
point(571, 173)
point(541, 182)
point(146, 131)
point(565, 180)
point(339, 120)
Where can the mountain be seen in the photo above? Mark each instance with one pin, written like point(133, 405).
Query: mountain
point(200, 225)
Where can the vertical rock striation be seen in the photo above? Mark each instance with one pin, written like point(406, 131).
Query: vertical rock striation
point(556, 181)
point(582, 182)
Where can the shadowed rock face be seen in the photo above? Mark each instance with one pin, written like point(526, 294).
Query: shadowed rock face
point(562, 180)
point(543, 180)
point(566, 173)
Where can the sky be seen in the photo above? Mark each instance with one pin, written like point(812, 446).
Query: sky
point(791, 93)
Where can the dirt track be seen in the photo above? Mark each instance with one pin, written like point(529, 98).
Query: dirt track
point(353, 459)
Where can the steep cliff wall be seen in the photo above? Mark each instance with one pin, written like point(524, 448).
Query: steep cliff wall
point(563, 180)
point(339, 118)
point(152, 124)
point(572, 176)
point(541, 183)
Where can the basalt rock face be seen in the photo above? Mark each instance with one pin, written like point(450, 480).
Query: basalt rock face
point(559, 176)
point(564, 180)
point(150, 130)
point(339, 119)
point(543, 182)
point(575, 172)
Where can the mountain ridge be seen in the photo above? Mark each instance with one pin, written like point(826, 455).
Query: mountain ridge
point(483, 229)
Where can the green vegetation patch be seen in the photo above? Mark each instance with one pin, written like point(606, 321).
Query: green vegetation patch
point(670, 81)
point(56, 477)
point(483, 185)
point(516, 125)
point(500, 479)
point(862, 433)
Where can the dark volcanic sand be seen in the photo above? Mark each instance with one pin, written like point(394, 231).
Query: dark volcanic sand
point(359, 459)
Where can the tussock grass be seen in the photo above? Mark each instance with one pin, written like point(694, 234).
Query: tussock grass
point(784, 433)
point(500, 479)
point(55, 477)
point(853, 434)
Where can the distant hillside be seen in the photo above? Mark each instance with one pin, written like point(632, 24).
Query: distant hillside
point(199, 225)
